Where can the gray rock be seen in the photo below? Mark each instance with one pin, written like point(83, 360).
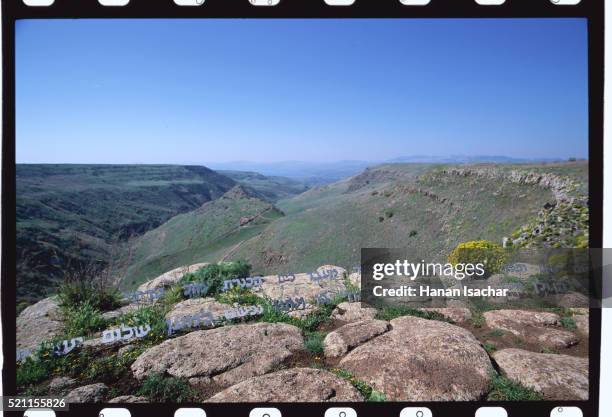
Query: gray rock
point(582, 323)
point(302, 285)
point(349, 336)
point(456, 314)
point(128, 399)
point(195, 306)
point(423, 360)
point(226, 355)
point(60, 383)
point(355, 279)
point(170, 278)
point(93, 393)
point(531, 326)
point(37, 323)
point(291, 385)
point(556, 377)
point(351, 312)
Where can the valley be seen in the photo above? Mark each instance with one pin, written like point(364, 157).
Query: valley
point(151, 219)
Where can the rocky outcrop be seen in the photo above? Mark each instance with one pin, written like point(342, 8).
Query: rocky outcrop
point(291, 385)
point(532, 326)
point(128, 399)
point(557, 377)
point(170, 278)
point(304, 285)
point(226, 355)
point(60, 384)
point(93, 393)
point(455, 314)
point(349, 336)
point(561, 187)
point(195, 306)
point(423, 360)
point(37, 323)
point(350, 312)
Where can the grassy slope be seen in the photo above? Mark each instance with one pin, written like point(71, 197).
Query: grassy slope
point(71, 213)
point(201, 235)
point(331, 223)
point(270, 187)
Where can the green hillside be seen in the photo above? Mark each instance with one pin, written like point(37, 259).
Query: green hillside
point(270, 187)
point(429, 207)
point(74, 215)
point(426, 207)
point(205, 234)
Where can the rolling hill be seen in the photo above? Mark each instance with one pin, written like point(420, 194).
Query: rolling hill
point(71, 215)
point(201, 235)
point(270, 187)
point(430, 207)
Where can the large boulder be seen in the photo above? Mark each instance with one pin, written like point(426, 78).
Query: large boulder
point(349, 336)
point(37, 323)
point(291, 385)
point(128, 399)
point(226, 355)
point(351, 312)
point(60, 384)
point(93, 393)
point(532, 326)
point(170, 278)
point(327, 279)
point(195, 306)
point(556, 377)
point(423, 360)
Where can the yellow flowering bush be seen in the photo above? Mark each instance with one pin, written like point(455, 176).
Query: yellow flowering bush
point(490, 254)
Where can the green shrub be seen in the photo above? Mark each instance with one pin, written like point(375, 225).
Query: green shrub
point(242, 296)
point(22, 306)
point(489, 348)
point(160, 389)
point(108, 369)
point(308, 323)
point(388, 213)
point(392, 312)
point(314, 342)
point(490, 254)
point(477, 319)
point(31, 371)
point(363, 387)
point(215, 274)
point(413, 233)
point(569, 323)
point(74, 294)
point(82, 319)
point(44, 364)
point(153, 316)
point(172, 296)
point(502, 389)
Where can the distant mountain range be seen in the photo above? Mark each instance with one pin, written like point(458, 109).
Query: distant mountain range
point(317, 173)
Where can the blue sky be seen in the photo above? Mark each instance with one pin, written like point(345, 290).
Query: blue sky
point(195, 91)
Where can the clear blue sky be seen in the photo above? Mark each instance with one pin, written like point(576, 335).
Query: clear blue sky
point(194, 91)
